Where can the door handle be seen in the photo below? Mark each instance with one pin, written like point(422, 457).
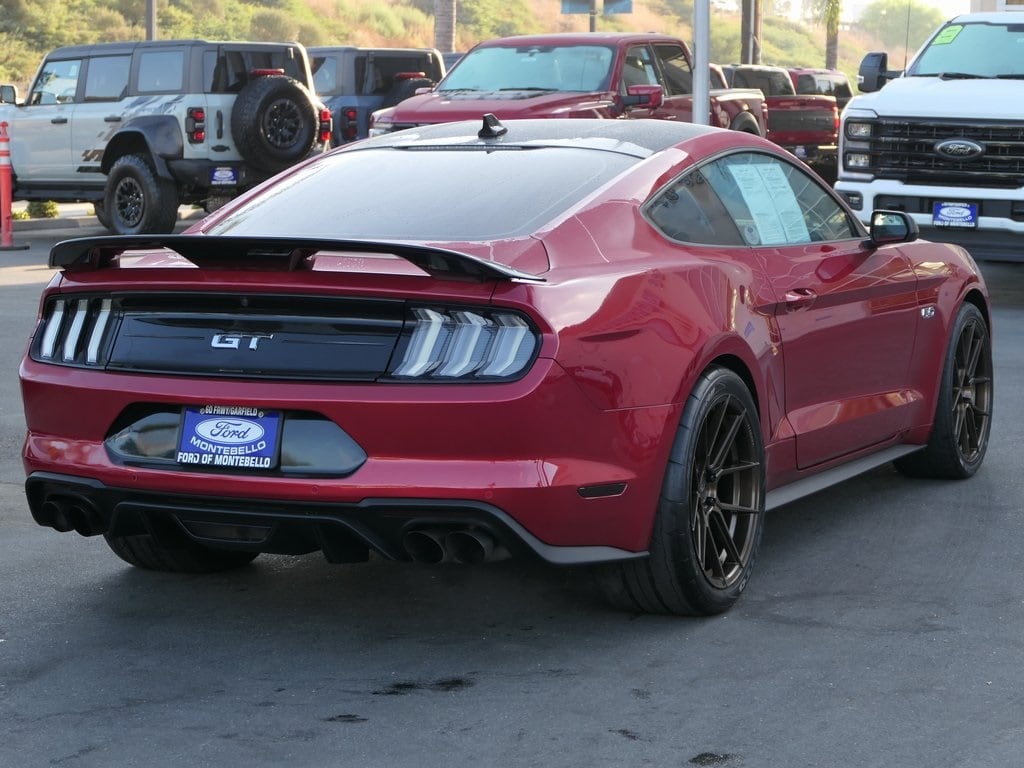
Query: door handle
point(799, 298)
point(59, 120)
point(112, 119)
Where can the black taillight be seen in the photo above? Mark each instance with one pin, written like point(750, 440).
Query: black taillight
point(195, 125)
point(326, 124)
point(350, 124)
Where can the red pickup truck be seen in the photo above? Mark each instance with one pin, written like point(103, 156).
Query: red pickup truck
point(805, 124)
point(595, 74)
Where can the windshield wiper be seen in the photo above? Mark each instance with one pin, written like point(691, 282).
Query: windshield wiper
point(539, 90)
point(962, 76)
point(1009, 77)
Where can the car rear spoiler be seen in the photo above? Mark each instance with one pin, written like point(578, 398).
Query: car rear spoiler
point(87, 253)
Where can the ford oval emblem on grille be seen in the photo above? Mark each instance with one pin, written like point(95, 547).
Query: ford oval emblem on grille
point(960, 149)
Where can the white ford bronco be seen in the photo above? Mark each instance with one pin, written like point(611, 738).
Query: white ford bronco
point(140, 128)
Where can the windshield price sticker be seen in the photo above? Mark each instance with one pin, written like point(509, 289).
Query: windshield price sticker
point(955, 215)
point(229, 436)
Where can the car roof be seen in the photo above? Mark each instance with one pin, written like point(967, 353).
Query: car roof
point(579, 38)
point(87, 49)
point(639, 138)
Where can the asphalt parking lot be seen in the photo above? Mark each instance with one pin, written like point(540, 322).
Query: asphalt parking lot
point(883, 627)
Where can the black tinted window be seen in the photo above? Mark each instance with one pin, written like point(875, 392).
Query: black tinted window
point(107, 78)
point(433, 194)
point(749, 198)
point(161, 71)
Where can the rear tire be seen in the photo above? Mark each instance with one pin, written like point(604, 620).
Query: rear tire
point(963, 412)
point(101, 213)
point(143, 551)
point(710, 515)
point(137, 201)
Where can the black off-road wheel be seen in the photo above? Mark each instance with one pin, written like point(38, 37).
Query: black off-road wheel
point(274, 122)
point(709, 521)
point(137, 201)
point(143, 551)
point(963, 412)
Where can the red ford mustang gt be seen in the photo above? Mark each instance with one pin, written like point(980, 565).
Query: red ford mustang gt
point(591, 342)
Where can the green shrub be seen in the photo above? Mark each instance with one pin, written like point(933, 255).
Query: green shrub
point(40, 209)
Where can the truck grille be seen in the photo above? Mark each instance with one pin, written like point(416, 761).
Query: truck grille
point(905, 150)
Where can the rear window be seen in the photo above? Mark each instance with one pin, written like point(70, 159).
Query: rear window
point(427, 194)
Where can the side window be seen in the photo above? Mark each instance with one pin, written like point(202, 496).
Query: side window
point(57, 83)
point(775, 203)
point(749, 198)
point(638, 68)
point(325, 74)
point(678, 79)
point(106, 78)
point(161, 71)
point(690, 211)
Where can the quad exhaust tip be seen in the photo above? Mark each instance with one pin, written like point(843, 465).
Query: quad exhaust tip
point(467, 547)
point(70, 513)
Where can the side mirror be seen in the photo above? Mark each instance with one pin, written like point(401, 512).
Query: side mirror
point(8, 94)
point(874, 72)
point(650, 96)
point(892, 227)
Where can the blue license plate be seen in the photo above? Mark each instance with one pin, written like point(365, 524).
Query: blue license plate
point(229, 437)
point(223, 176)
point(954, 215)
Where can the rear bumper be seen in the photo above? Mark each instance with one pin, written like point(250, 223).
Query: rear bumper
point(344, 532)
point(532, 461)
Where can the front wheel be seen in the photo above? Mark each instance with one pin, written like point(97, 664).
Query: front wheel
point(709, 522)
point(963, 412)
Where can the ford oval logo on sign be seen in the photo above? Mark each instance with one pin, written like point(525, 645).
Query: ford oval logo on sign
point(221, 436)
point(960, 149)
point(229, 431)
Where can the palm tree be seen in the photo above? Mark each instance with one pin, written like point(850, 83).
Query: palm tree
point(828, 11)
point(444, 25)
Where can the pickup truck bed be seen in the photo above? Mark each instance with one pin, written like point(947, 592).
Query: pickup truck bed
point(805, 124)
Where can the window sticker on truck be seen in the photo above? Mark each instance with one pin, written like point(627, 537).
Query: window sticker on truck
point(947, 36)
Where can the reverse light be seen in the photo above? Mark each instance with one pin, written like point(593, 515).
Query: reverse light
point(475, 345)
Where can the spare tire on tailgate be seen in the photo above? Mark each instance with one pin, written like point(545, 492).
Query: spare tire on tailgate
point(274, 122)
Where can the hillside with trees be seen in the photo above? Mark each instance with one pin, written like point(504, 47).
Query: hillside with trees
point(30, 28)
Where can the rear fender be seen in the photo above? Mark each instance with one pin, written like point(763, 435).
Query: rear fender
point(158, 136)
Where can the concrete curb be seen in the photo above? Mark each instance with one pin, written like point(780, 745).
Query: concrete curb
point(58, 222)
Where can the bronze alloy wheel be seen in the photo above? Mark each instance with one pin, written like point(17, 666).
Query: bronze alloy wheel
point(727, 499)
point(710, 516)
point(971, 400)
point(963, 409)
